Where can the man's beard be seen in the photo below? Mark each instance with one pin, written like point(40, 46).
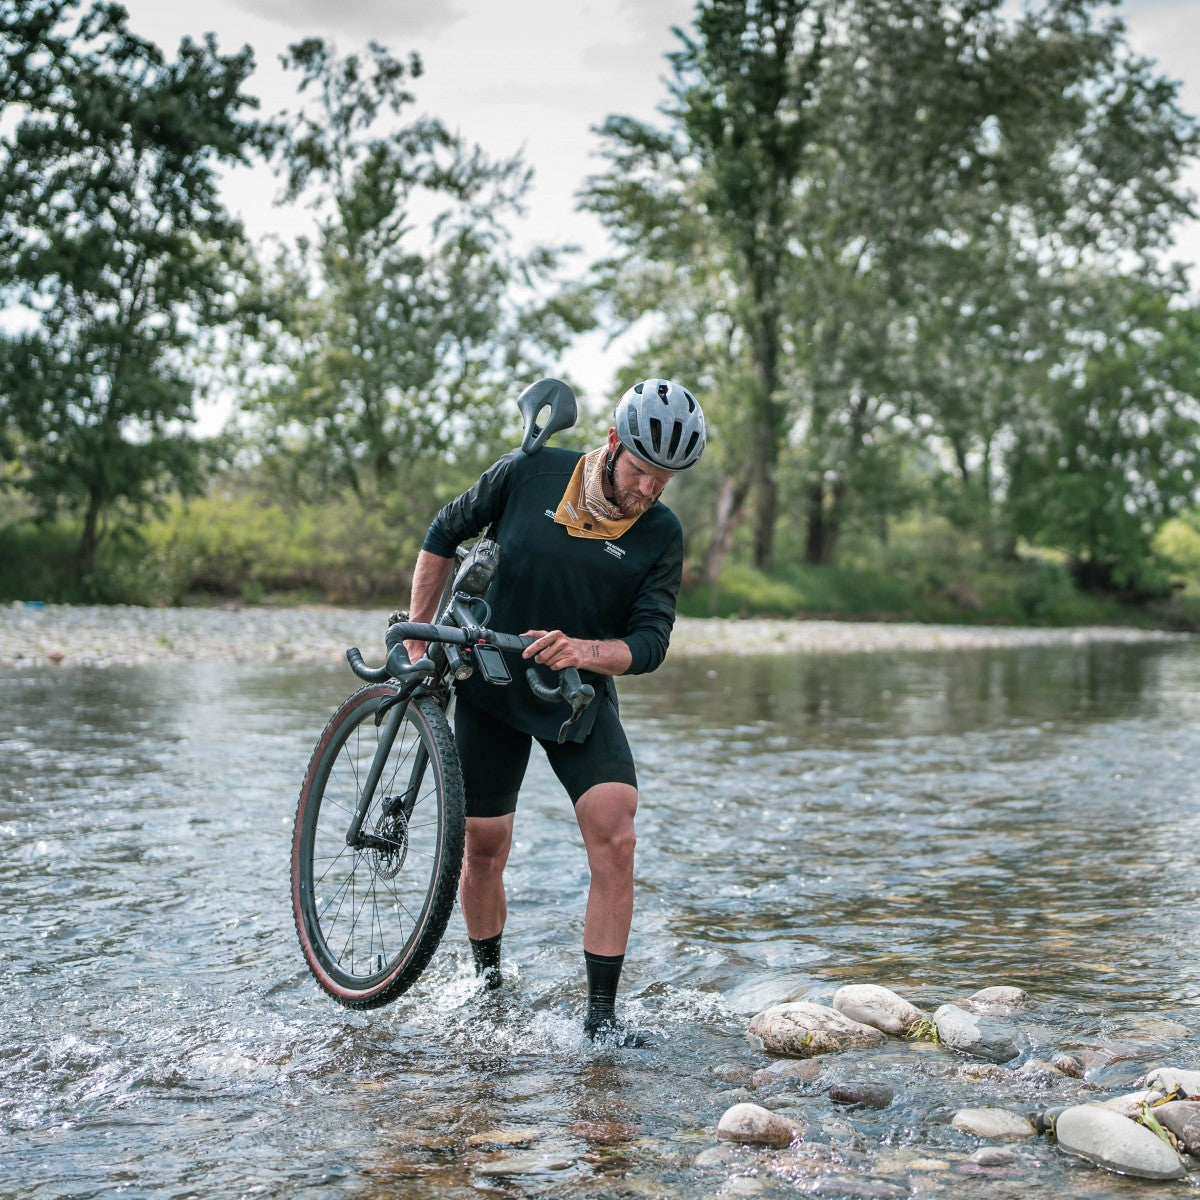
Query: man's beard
point(631, 502)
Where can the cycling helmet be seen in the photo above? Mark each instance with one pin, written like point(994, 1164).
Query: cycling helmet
point(660, 421)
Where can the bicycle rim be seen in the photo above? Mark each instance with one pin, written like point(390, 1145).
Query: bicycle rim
point(370, 917)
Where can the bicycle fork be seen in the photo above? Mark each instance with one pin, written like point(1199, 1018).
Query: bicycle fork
point(392, 716)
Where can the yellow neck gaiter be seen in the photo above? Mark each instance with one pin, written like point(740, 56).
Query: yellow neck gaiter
point(584, 510)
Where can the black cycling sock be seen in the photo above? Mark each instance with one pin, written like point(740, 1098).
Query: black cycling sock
point(603, 978)
point(486, 952)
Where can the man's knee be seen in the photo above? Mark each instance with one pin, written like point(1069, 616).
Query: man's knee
point(488, 842)
point(606, 816)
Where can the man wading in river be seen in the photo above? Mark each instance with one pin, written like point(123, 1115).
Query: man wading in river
point(587, 548)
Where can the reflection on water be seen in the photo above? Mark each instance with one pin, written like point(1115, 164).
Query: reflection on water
point(934, 823)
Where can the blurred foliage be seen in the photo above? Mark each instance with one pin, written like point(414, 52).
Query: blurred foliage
point(118, 260)
point(910, 255)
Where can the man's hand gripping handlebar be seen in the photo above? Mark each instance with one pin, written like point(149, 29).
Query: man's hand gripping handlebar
point(571, 689)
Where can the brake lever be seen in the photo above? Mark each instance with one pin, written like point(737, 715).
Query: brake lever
point(570, 688)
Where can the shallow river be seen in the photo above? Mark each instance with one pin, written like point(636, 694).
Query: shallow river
point(934, 823)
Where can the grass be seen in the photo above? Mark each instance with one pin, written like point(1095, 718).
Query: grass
point(255, 551)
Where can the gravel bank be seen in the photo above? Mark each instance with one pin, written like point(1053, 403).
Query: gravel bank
point(112, 636)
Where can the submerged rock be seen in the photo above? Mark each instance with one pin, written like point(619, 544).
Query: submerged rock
point(753, 1125)
point(995, 999)
point(1116, 1143)
point(1037, 1068)
point(1172, 1079)
point(975, 1034)
point(804, 1030)
point(1182, 1118)
point(863, 1093)
point(992, 1123)
point(787, 1071)
point(878, 1007)
point(1068, 1064)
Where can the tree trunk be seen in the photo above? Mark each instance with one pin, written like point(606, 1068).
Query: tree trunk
point(763, 461)
point(731, 508)
point(764, 521)
point(89, 543)
point(824, 518)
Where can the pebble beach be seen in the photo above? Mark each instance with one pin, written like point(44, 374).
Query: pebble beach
point(118, 635)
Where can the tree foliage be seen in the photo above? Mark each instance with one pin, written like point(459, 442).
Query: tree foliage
point(117, 253)
point(1117, 452)
point(881, 216)
point(393, 333)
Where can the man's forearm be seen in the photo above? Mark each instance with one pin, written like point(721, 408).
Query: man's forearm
point(429, 580)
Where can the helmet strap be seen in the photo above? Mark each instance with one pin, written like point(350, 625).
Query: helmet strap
point(610, 468)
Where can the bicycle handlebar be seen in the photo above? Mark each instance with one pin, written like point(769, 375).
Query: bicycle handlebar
point(570, 689)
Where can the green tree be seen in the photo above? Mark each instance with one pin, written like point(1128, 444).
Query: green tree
point(117, 255)
point(1117, 452)
point(398, 328)
point(709, 205)
point(867, 202)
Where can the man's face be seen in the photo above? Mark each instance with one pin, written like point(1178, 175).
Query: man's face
point(636, 483)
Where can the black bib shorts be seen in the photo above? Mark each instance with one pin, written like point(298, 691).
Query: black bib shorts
point(495, 757)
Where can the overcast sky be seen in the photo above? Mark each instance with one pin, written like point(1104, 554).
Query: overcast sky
point(536, 76)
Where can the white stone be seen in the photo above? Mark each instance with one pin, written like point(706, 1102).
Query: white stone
point(1168, 1079)
point(1116, 1143)
point(993, 1123)
point(753, 1125)
point(803, 1030)
point(1131, 1104)
point(974, 1034)
point(878, 1007)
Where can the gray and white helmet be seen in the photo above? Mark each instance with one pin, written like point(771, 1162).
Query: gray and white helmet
point(660, 421)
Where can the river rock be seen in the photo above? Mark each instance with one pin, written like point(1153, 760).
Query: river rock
point(787, 1071)
point(995, 999)
point(804, 1030)
point(1171, 1079)
point(1043, 1121)
point(994, 1156)
point(975, 1034)
point(1038, 1068)
point(1130, 1105)
point(878, 1007)
point(1116, 1143)
point(1068, 1064)
point(992, 1123)
point(863, 1093)
point(1182, 1118)
point(753, 1125)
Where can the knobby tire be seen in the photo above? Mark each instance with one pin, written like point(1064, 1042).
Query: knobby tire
point(370, 919)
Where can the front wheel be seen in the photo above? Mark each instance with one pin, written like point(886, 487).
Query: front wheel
point(371, 914)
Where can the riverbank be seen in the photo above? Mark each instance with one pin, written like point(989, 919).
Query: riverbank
point(102, 636)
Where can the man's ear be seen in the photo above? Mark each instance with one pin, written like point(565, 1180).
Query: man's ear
point(613, 440)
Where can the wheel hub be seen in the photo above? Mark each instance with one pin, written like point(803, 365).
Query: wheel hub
point(392, 828)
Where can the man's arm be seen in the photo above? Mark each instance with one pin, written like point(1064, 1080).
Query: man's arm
point(429, 580)
point(555, 650)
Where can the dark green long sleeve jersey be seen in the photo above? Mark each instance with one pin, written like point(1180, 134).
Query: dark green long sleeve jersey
point(589, 588)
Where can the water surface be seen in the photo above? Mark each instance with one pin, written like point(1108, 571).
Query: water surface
point(934, 823)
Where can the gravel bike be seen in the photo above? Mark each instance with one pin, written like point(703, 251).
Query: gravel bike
point(378, 840)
